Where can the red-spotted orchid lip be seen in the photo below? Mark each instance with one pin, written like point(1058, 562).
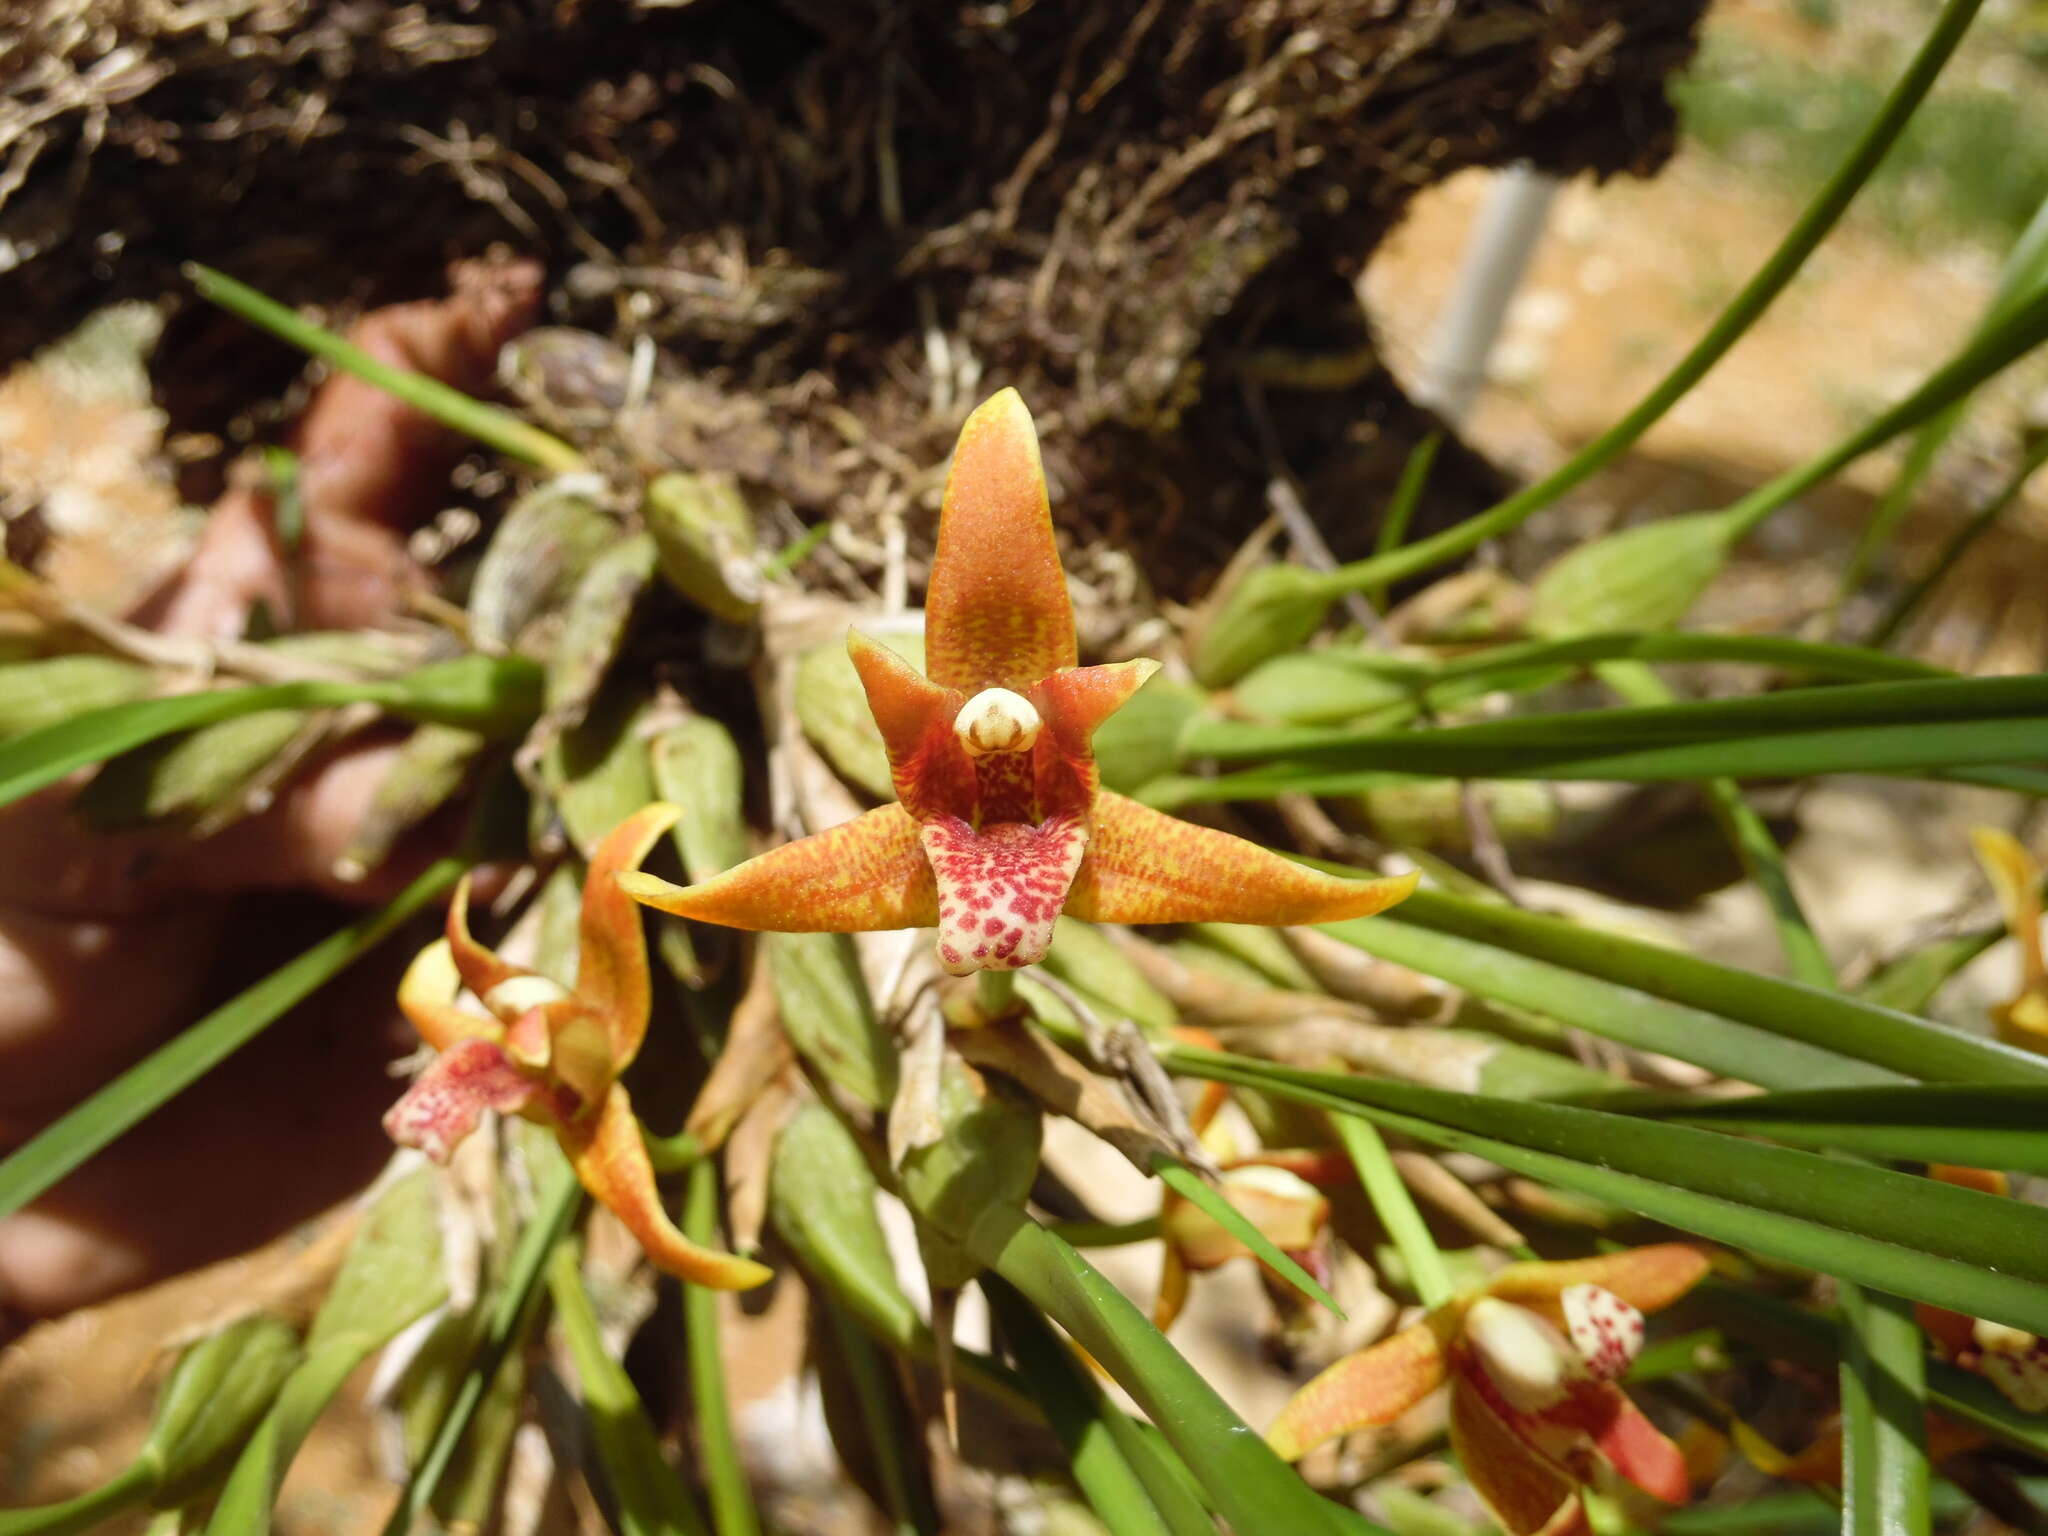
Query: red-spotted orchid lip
point(1000, 822)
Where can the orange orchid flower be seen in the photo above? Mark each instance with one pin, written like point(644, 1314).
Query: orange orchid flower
point(555, 1055)
point(1000, 823)
point(1532, 1359)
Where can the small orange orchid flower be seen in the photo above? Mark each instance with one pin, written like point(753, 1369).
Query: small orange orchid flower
point(1532, 1359)
point(555, 1055)
point(1000, 823)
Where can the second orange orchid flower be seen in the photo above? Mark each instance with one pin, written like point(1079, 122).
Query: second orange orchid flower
point(1533, 1360)
point(554, 1055)
point(1000, 823)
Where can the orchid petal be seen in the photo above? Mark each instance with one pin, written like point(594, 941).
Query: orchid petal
point(1000, 889)
point(1527, 1492)
point(480, 968)
point(444, 1105)
point(610, 1157)
point(1628, 1441)
point(1648, 1278)
point(1145, 867)
point(1073, 704)
point(1373, 1387)
point(2015, 877)
point(931, 772)
point(997, 613)
point(426, 996)
point(611, 967)
point(866, 874)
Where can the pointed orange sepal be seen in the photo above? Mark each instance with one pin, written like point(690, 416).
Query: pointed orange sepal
point(868, 874)
point(1648, 1278)
point(1375, 1386)
point(1073, 704)
point(480, 968)
point(1145, 867)
point(1638, 1449)
point(997, 613)
point(1529, 1494)
point(610, 1159)
point(931, 771)
point(611, 967)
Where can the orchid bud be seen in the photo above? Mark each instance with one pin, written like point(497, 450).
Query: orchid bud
point(987, 1156)
point(34, 694)
point(996, 720)
point(219, 1389)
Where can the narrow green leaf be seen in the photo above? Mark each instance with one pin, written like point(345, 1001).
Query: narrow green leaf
point(732, 1499)
point(166, 1072)
point(1560, 988)
point(2003, 1126)
point(1402, 504)
point(1197, 1191)
point(1849, 1027)
point(652, 1500)
point(512, 1313)
point(1079, 1414)
point(452, 408)
point(1252, 1488)
point(1884, 1409)
point(1395, 1208)
point(88, 1511)
point(886, 1416)
point(495, 695)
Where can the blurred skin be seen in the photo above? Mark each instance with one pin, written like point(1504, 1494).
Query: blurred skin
point(110, 944)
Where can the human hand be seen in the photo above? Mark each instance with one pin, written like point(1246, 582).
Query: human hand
point(109, 944)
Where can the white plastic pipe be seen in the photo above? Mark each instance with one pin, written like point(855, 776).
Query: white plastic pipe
point(1496, 260)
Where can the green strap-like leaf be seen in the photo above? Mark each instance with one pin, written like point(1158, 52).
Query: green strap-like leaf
point(496, 695)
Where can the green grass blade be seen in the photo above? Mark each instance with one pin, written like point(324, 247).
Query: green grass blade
point(2002, 1126)
point(168, 1071)
point(1884, 1408)
point(1561, 989)
point(1899, 725)
point(1395, 1208)
point(452, 408)
point(496, 695)
point(652, 1500)
point(513, 1311)
point(1252, 1488)
point(2025, 272)
point(1981, 522)
point(732, 1499)
point(89, 1511)
point(1981, 1255)
point(907, 1500)
point(1847, 1026)
point(1197, 1191)
point(1859, 663)
point(1813, 224)
point(1401, 506)
point(1079, 1415)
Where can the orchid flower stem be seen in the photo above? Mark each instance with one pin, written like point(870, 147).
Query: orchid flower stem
point(1396, 1209)
point(87, 1512)
point(732, 1500)
point(1757, 294)
point(672, 1154)
point(994, 992)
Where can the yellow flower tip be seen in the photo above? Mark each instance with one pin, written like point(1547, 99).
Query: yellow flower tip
point(651, 890)
point(1367, 898)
